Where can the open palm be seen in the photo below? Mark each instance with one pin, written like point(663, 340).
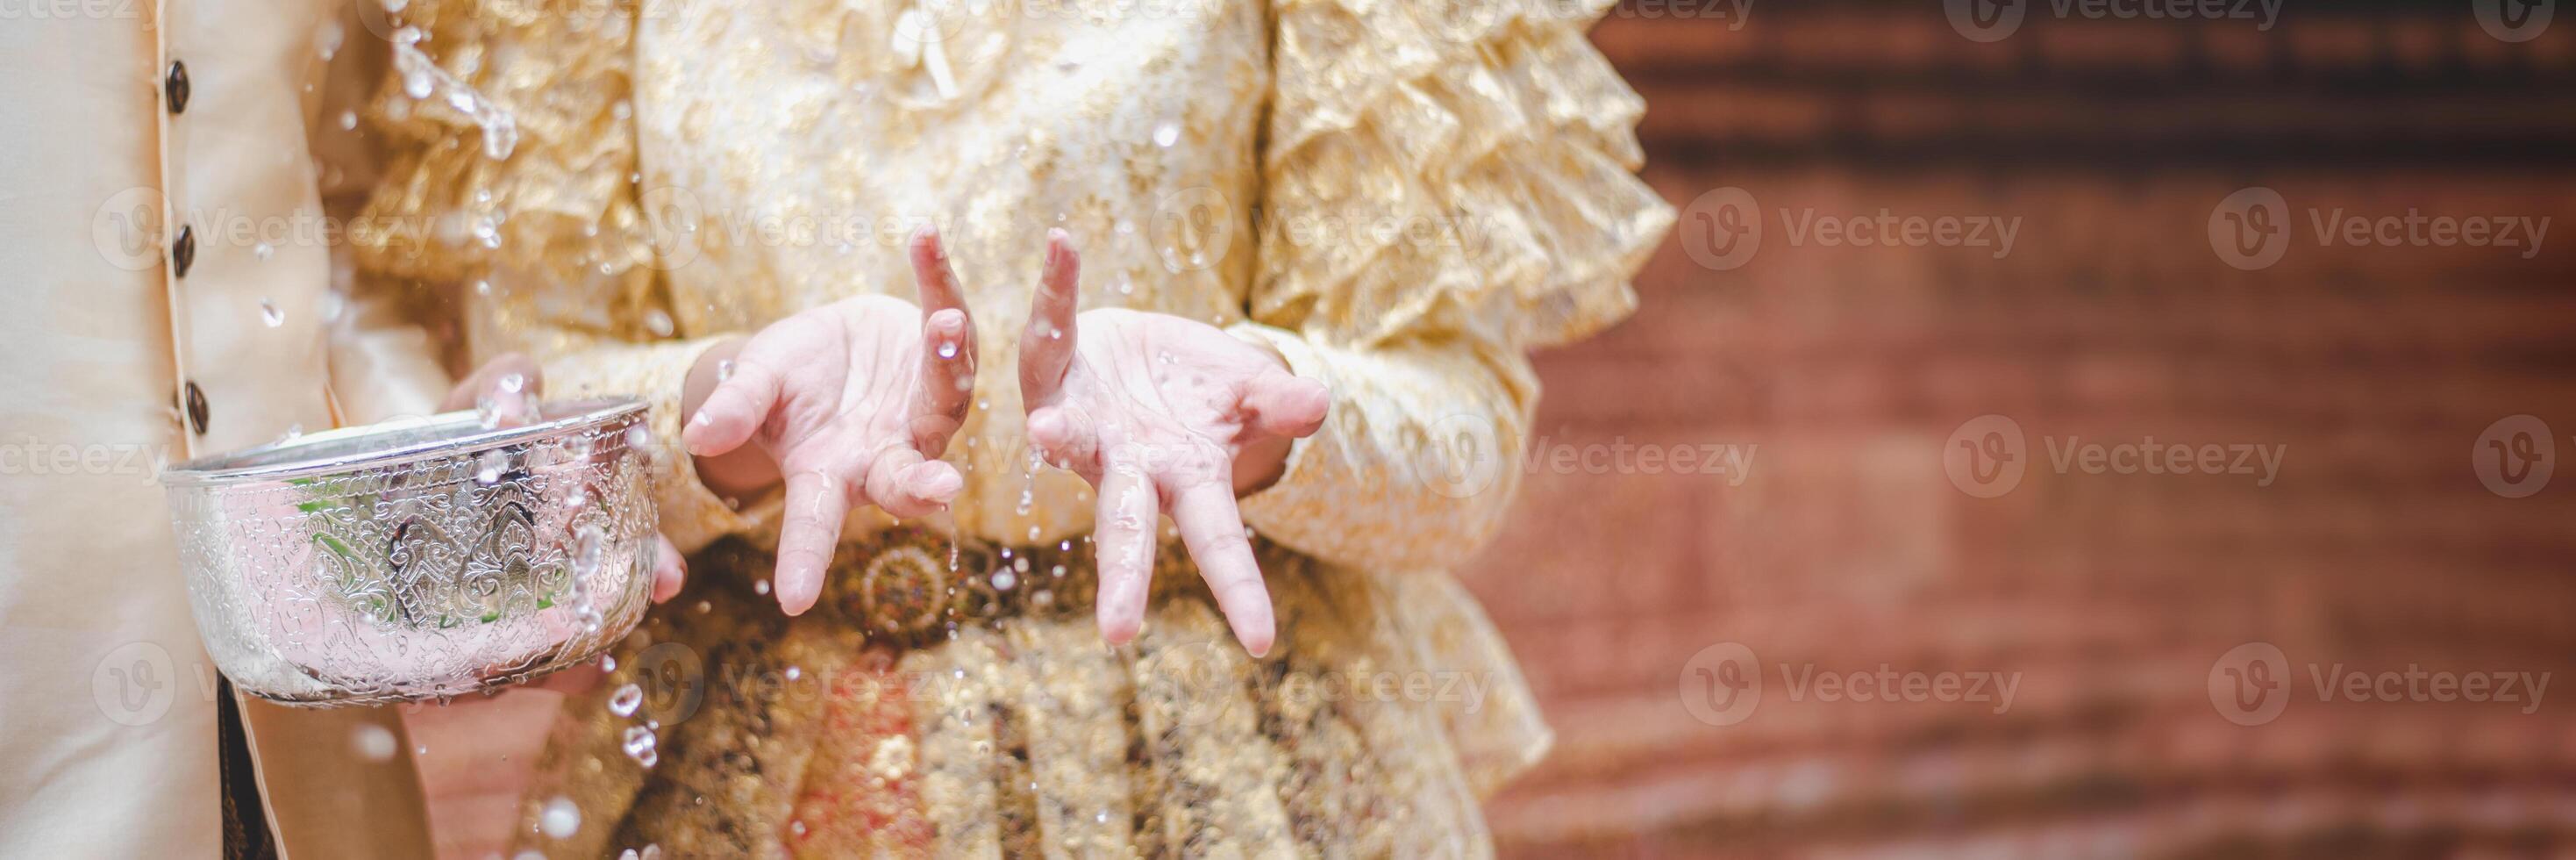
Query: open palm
point(1160, 412)
point(854, 401)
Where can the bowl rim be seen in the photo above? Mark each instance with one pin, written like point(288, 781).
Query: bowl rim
point(449, 434)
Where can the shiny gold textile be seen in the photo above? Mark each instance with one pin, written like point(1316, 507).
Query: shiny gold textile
point(1401, 196)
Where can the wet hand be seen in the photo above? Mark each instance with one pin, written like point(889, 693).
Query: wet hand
point(850, 403)
point(1161, 412)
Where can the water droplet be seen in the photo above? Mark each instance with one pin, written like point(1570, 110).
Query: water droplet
point(326, 41)
point(724, 369)
point(760, 586)
point(948, 349)
point(269, 313)
point(1056, 571)
point(1168, 133)
point(586, 551)
point(639, 745)
point(607, 662)
point(1004, 579)
point(560, 819)
point(487, 412)
point(639, 439)
point(1165, 357)
point(488, 468)
point(348, 120)
point(263, 251)
point(659, 323)
point(795, 672)
point(373, 742)
point(624, 702)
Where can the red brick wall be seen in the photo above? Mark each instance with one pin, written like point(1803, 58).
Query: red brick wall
point(2112, 597)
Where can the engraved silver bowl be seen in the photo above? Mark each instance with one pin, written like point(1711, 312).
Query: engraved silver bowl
point(419, 559)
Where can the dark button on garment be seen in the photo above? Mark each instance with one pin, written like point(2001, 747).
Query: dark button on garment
point(183, 253)
point(196, 398)
point(176, 87)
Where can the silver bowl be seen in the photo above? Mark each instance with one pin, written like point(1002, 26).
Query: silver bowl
point(419, 559)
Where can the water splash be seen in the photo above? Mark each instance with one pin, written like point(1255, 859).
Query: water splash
point(422, 78)
point(642, 745)
point(489, 467)
point(373, 743)
point(624, 702)
point(561, 819)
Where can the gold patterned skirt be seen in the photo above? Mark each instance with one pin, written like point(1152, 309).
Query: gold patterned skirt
point(957, 700)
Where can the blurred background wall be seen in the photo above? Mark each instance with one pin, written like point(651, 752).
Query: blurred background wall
point(2167, 631)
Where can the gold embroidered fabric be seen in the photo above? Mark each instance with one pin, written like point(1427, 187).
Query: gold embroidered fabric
point(1402, 197)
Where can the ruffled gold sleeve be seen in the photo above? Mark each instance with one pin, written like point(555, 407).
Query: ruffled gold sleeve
point(511, 175)
point(1446, 185)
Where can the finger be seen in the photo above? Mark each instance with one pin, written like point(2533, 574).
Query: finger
point(510, 383)
point(734, 411)
point(670, 570)
point(1285, 404)
point(1213, 530)
point(905, 485)
point(931, 274)
point(1065, 439)
point(817, 502)
point(1046, 346)
point(1125, 543)
point(947, 379)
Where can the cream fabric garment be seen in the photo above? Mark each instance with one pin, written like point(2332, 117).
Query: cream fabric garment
point(107, 702)
point(1402, 196)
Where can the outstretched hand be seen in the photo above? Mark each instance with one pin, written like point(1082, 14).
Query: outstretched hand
point(850, 403)
point(1161, 412)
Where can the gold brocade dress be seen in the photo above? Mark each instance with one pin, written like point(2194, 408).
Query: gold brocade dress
point(1403, 196)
